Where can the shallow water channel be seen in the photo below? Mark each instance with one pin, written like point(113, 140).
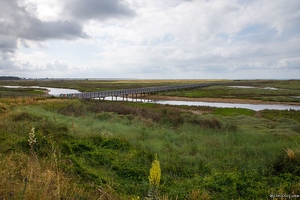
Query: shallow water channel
point(51, 91)
point(256, 107)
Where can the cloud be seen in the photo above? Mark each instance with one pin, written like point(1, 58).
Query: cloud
point(7, 44)
point(22, 23)
point(97, 9)
point(18, 23)
point(170, 38)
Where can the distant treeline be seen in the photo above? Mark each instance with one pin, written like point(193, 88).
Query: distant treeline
point(9, 78)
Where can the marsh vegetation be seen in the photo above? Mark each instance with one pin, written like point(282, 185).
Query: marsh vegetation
point(104, 150)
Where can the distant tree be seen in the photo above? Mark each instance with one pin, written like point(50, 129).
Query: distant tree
point(9, 78)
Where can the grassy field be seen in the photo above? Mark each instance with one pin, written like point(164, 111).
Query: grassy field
point(100, 85)
point(276, 91)
point(71, 149)
point(285, 91)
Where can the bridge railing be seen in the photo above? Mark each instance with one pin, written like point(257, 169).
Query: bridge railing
point(147, 90)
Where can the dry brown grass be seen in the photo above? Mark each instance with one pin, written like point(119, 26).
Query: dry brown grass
point(198, 194)
point(193, 195)
point(291, 154)
point(23, 177)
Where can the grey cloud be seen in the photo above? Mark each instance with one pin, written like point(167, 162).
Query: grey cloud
point(7, 44)
point(39, 31)
point(16, 22)
point(97, 9)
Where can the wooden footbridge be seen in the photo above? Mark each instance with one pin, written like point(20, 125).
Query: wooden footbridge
point(134, 93)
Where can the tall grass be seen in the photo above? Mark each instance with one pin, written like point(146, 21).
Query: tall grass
point(108, 153)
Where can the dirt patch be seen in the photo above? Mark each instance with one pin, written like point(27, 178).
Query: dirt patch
point(219, 100)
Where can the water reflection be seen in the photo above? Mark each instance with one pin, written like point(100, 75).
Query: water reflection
point(256, 107)
point(51, 91)
point(113, 98)
point(241, 86)
point(249, 87)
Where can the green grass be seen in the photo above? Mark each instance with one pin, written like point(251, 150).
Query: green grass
point(19, 92)
point(233, 111)
point(223, 153)
point(99, 85)
point(286, 89)
point(93, 150)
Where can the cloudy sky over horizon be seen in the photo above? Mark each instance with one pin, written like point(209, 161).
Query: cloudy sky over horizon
point(153, 39)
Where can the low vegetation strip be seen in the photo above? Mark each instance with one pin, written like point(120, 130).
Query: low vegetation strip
point(285, 92)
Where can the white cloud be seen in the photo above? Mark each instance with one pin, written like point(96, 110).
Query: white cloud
point(171, 38)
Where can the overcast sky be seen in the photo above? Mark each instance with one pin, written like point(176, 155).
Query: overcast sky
point(155, 39)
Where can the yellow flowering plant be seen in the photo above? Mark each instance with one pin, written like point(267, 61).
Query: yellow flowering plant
point(154, 178)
